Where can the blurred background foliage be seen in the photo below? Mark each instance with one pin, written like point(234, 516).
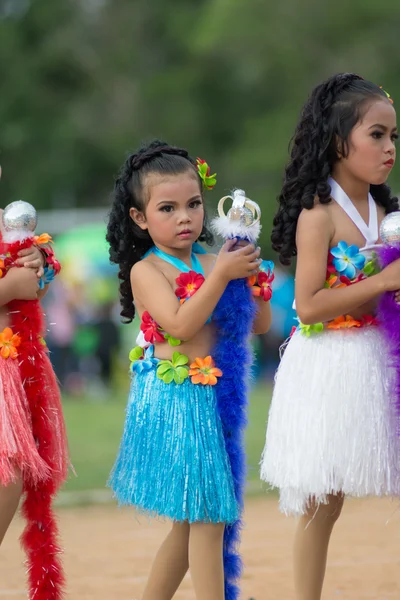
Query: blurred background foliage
point(85, 81)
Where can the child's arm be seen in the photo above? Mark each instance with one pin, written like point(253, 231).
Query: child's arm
point(18, 284)
point(183, 321)
point(262, 322)
point(314, 303)
point(41, 293)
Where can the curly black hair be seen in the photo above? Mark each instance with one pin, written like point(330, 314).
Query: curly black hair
point(327, 118)
point(129, 243)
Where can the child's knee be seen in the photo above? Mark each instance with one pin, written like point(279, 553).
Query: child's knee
point(329, 512)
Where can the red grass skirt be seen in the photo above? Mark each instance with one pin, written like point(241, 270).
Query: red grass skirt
point(18, 450)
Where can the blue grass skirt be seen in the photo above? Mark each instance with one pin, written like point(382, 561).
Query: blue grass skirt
point(172, 460)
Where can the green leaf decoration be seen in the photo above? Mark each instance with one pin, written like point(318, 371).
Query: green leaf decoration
point(164, 366)
point(203, 167)
point(179, 359)
point(168, 376)
point(136, 353)
point(371, 267)
point(180, 374)
point(307, 330)
point(210, 181)
point(173, 370)
point(172, 341)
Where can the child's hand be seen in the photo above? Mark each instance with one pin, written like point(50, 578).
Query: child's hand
point(32, 258)
point(237, 264)
point(23, 283)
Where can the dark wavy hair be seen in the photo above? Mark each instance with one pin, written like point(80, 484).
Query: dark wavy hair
point(129, 243)
point(327, 118)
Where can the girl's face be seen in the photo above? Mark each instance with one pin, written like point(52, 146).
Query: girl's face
point(371, 145)
point(174, 213)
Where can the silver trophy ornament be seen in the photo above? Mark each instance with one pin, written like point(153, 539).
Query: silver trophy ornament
point(242, 220)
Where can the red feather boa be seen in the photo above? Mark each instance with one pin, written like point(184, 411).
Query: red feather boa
point(40, 538)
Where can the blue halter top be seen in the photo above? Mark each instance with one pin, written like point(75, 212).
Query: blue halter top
point(178, 263)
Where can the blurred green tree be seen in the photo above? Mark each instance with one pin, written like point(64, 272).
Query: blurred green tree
point(84, 81)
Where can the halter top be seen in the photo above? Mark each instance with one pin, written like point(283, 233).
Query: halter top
point(349, 264)
point(188, 282)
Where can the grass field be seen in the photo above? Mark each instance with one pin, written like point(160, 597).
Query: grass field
point(95, 428)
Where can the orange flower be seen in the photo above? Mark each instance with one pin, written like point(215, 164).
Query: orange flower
point(251, 280)
point(203, 371)
point(343, 322)
point(9, 343)
point(42, 239)
point(2, 268)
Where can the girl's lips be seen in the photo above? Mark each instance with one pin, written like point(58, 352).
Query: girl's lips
point(185, 234)
point(389, 163)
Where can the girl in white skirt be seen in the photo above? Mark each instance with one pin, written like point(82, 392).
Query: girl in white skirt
point(332, 427)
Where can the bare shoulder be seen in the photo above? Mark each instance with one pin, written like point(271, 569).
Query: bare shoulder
point(318, 219)
point(207, 262)
point(144, 269)
point(207, 259)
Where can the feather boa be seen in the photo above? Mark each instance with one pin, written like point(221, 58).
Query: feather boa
point(233, 318)
point(389, 319)
point(46, 578)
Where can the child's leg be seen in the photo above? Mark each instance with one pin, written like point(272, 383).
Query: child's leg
point(205, 560)
point(170, 565)
point(9, 498)
point(311, 547)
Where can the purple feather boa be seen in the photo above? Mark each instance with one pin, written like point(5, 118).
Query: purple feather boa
point(389, 318)
point(233, 317)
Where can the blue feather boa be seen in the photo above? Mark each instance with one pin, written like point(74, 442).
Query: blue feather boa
point(233, 317)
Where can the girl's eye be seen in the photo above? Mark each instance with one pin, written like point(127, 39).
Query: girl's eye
point(395, 137)
point(377, 135)
point(195, 203)
point(167, 208)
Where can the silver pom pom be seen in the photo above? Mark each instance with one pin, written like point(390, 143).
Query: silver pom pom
point(19, 216)
point(390, 229)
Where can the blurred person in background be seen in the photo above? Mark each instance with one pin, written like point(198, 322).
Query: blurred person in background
point(61, 320)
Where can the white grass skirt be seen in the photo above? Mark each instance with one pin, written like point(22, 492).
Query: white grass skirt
point(332, 426)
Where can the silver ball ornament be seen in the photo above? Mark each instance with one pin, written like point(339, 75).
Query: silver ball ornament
point(390, 229)
point(19, 215)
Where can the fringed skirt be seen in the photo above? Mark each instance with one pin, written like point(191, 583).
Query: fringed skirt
point(18, 449)
point(332, 425)
point(172, 460)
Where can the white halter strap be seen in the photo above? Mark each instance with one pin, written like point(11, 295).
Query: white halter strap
point(370, 232)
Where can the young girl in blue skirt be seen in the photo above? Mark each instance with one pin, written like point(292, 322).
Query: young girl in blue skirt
point(173, 461)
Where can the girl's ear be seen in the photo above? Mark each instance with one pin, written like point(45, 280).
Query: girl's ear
point(339, 146)
point(138, 217)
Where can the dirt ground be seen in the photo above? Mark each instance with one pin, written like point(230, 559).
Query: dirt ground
point(109, 552)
